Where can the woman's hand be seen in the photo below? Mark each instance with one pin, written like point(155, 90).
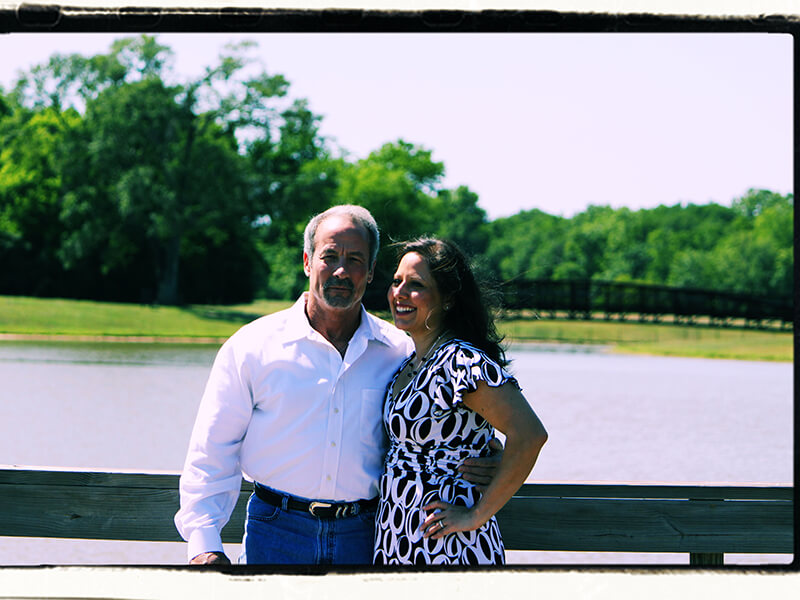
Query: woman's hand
point(449, 518)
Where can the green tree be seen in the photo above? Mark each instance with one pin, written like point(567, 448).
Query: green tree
point(70, 81)
point(743, 263)
point(625, 257)
point(462, 221)
point(31, 158)
point(161, 174)
point(280, 237)
point(395, 184)
point(527, 245)
point(757, 256)
point(661, 246)
point(142, 184)
point(585, 244)
point(296, 174)
point(774, 226)
point(756, 201)
point(693, 268)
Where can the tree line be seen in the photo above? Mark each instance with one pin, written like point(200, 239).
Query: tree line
point(117, 183)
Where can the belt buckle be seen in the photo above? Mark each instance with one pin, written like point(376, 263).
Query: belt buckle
point(315, 505)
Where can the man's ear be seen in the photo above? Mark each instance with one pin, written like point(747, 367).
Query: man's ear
point(306, 264)
point(371, 273)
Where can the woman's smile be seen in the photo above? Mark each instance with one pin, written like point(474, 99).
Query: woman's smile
point(414, 297)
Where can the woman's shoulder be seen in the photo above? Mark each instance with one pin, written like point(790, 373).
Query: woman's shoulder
point(466, 364)
point(457, 354)
point(461, 347)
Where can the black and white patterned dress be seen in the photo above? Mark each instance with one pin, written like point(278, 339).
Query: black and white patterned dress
point(431, 432)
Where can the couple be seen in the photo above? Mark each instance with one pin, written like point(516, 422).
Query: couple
point(301, 402)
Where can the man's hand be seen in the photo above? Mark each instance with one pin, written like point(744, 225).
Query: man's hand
point(210, 558)
point(481, 471)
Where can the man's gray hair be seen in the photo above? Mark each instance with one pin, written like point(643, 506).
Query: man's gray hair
point(360, 216)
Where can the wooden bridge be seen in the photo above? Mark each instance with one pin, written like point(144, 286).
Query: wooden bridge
point(704, 521)
point(581, 299)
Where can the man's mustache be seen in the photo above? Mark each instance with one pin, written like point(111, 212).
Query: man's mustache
point(342, 283)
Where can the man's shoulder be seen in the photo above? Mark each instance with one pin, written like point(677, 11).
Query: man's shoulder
point(267, 327)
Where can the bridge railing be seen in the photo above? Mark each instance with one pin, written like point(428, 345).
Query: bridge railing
point(704, 521)
point(579, 298)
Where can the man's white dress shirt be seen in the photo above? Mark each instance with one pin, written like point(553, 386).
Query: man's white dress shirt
point(283, 408)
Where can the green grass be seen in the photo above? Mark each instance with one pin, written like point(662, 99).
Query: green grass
point(658, 339)
point(80, 318)
point(39, 316)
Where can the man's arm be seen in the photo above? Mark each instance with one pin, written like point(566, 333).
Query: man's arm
point(211, 478)
point(481, 471)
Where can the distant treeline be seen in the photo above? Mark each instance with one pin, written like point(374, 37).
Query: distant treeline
point(117, 183)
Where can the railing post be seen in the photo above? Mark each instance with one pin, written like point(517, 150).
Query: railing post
point(706, 559)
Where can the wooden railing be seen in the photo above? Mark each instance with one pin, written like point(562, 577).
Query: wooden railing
point(581, 298)
point(704, 521)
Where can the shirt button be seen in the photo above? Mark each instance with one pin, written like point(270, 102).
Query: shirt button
point(336, 411)
point(333, 443)
point(328, 477)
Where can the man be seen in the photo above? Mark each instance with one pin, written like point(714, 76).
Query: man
point(294, 403)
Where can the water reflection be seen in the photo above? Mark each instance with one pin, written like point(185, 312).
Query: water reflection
point(610, 417)
point(107, 353)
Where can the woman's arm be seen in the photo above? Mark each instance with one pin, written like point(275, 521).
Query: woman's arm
point(507, 410)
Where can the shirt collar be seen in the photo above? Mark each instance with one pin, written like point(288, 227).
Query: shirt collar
point(297, 326)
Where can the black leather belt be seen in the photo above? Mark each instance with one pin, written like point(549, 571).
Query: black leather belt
point(322, 510)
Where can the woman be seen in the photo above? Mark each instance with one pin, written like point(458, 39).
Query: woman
point(442, 407)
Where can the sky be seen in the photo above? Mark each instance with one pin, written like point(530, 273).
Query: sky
point(554, 122)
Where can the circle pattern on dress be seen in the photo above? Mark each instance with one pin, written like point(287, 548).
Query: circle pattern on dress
point(431, 432)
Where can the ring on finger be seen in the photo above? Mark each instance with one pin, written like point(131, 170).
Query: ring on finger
point(442, 524)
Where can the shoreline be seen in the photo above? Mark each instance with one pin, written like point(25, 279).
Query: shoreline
point(517, 345)
point(137, 339)
point(153, 339)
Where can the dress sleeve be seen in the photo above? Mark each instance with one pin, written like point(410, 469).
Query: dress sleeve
point(468, 366)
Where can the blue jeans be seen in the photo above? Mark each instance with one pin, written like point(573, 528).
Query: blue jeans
point(278, 536)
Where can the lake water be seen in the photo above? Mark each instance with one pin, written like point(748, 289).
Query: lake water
point(610, 417)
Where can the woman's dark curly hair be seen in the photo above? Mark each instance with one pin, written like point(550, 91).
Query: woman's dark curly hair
point(469, 317)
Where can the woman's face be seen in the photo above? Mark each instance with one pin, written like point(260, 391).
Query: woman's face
point(414, 297)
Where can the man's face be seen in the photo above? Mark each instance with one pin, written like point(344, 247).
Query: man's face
point(339, 270)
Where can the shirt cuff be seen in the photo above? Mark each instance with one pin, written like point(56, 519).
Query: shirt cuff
point(205, 539)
